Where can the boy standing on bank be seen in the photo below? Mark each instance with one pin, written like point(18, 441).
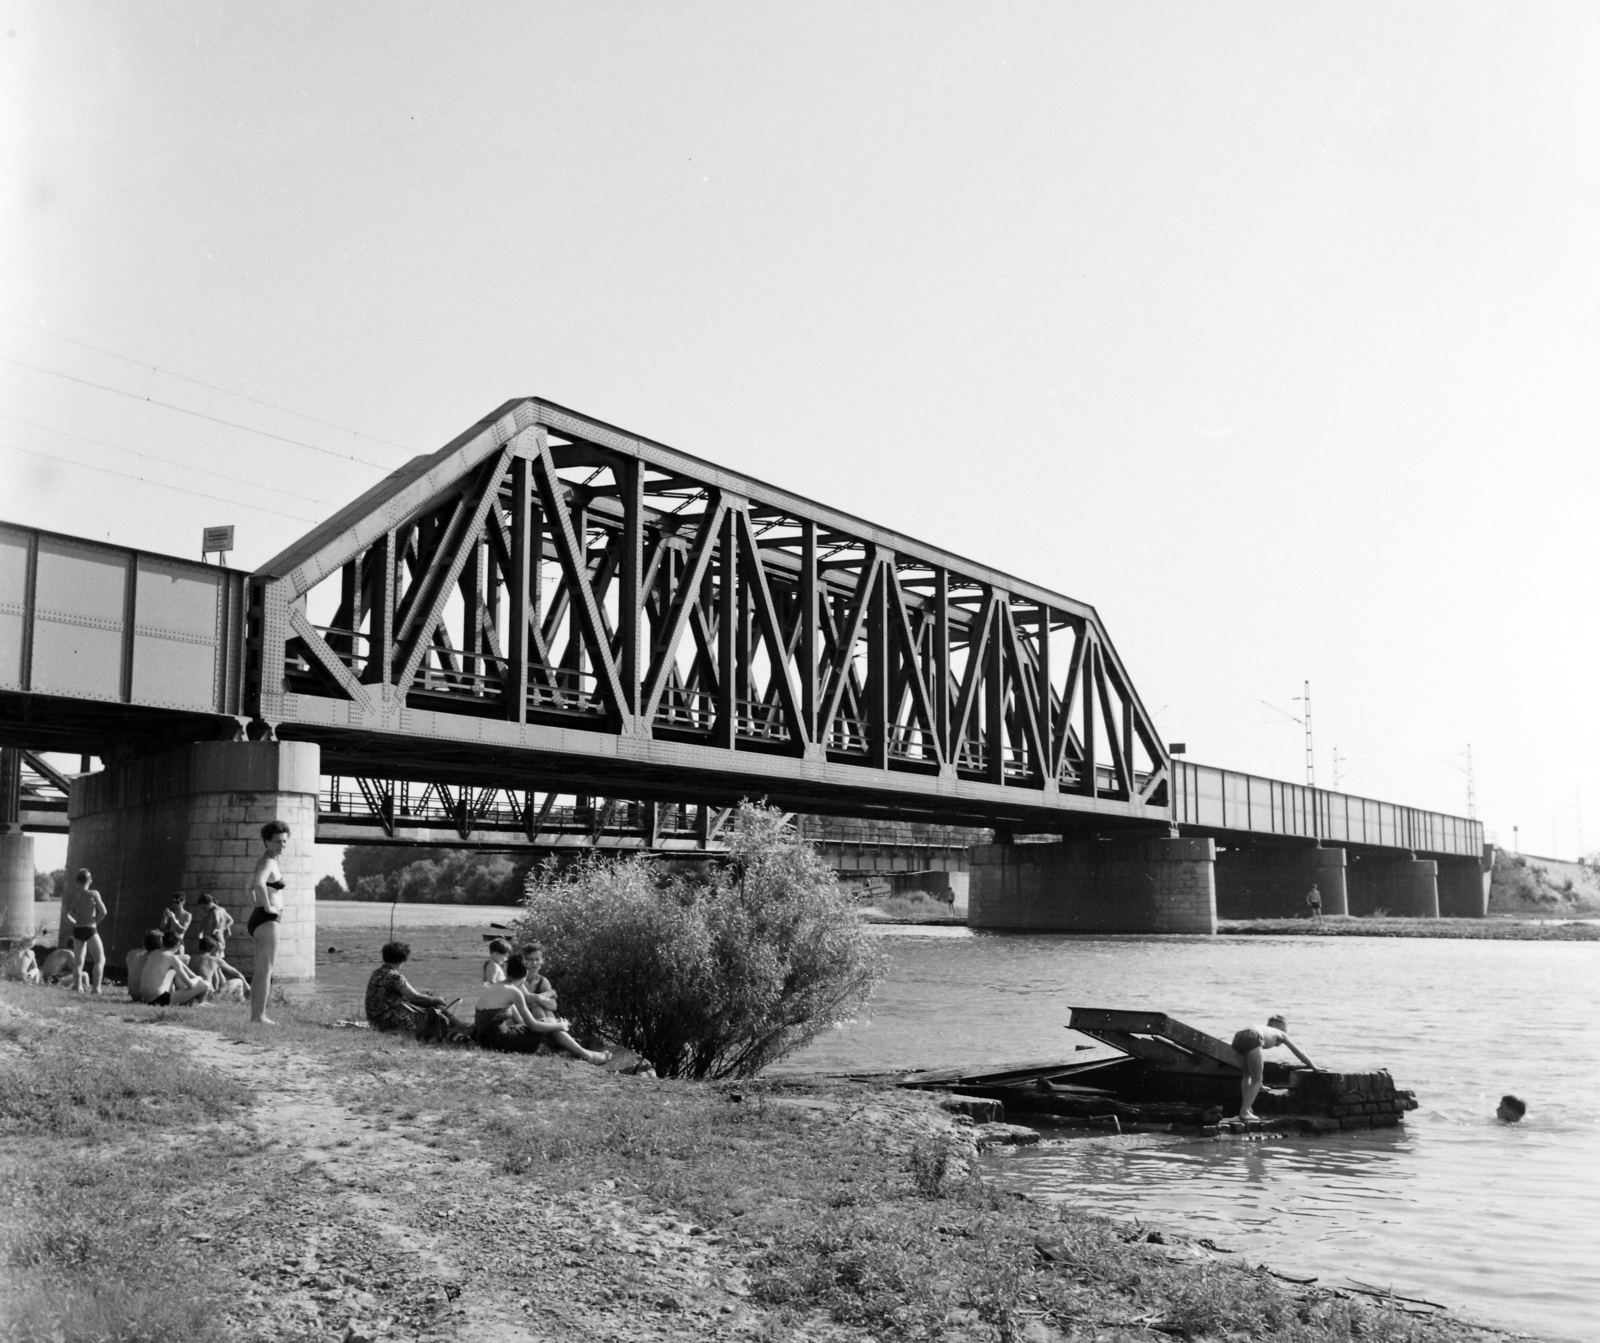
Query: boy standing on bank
point(83, 909)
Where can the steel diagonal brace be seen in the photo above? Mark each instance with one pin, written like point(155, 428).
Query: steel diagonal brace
point(684, 601)
point(919, 687)
point(844, 651)
point(755, 578)
point(327, 658)
point(552, 494)
point(1022, 658)
point(461, 546)
point(977, 650)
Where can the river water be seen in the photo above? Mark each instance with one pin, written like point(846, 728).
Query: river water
point(1498, 1222)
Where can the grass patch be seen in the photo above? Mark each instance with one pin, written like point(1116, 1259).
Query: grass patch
point(102, 1126)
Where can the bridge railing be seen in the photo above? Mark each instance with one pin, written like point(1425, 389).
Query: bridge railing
point(1208, 798)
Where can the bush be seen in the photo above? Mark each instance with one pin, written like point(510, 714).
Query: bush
point(49, 885)
point(715, 977)
point(331, 888)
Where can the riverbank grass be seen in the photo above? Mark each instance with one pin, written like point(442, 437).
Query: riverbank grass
point(141, 1204)
point(1490, 929)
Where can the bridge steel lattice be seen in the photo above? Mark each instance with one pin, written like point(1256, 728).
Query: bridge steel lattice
point(549, 596)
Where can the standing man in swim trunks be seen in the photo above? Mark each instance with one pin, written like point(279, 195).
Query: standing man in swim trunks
point(265, 884)
point(83, 909)
point(213, 921)
point(1250, 1043)
point(1314, 899)
point(176, 919)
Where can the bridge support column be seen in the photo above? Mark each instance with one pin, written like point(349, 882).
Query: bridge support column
point(190, 820)
point(1402, 885)
point(16, 887)
point(1464, 886)
point(1094, 886)
point(1260, 881)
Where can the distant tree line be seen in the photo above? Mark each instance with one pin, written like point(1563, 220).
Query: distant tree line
point(419, 876)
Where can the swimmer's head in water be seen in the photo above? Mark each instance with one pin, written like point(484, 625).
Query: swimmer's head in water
point(1510, 1110)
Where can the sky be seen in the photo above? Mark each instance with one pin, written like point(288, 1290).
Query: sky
point(1273, 332)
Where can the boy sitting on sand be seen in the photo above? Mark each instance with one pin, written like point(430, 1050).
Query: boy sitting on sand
point(227, 984)
point(165, 981)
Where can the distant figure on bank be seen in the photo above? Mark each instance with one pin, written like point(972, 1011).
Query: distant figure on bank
point(58, 965)
point(1250, 1043)
point(212, 921)
point(165, 981)
point(390, 996)
point(1314, 899)
point(1510, 1110)
point(505, 1020)
point(83, 908)
point(494, 969)
point(227, 984)
point(176, 919)
point(265, 883)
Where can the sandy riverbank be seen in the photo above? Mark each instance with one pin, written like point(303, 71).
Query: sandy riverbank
point(310, 1183)
point(1491, 929)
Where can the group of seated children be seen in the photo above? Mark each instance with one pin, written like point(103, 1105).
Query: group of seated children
point(160, 972)
point(515, 1013)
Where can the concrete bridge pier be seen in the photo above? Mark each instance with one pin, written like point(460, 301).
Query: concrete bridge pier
point(189, 819)
point(1402, 885)
point(16, 855)
point(1464, 886)
point(1094, 886)
point(1263, 881)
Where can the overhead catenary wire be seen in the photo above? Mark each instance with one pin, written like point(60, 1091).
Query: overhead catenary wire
point(159, 484)
point(169, 461)
point(185, 410)
point(209, 386)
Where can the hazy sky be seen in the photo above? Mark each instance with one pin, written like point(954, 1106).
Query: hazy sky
point(1271, 331)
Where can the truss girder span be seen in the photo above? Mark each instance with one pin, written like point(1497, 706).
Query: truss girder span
point(550, 597)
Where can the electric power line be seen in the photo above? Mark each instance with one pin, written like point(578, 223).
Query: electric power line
point(137, 452)
point(210, 386)
point(199, 494)
point(200, 415)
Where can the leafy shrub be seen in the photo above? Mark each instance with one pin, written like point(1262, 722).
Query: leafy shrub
point(49, 885)
point(715, 977)
point(331, 888)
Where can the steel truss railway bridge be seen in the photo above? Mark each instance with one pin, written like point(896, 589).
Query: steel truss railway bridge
point(552, 607)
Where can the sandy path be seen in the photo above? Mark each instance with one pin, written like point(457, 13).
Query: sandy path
point(391, 1232)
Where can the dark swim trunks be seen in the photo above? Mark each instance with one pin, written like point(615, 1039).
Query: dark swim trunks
point(83, 932)
point(258, 916)
point(1246, 1040)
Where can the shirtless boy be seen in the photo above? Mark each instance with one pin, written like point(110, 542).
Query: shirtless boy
point(166, 981)
point(494, 969)
point(83, 909)
point(227, 984)
point(1250, 1043)
point(176, 919)
point(136, 959)
point(212, 921)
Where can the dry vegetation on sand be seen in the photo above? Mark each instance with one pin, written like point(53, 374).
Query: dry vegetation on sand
point(178, 1175)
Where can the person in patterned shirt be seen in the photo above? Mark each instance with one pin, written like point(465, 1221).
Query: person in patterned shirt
point(390, 996)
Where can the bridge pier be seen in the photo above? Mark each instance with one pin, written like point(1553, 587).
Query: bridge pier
point(1095, 886)
point(1464, 886)
point(1260, 881)
point(1403, 885)
point(190, 820)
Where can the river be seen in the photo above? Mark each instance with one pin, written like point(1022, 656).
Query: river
point(1498, 1222)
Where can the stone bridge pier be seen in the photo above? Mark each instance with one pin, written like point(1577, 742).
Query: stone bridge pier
point(189, 819)
point(1271, 881)
point(1095, 886)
